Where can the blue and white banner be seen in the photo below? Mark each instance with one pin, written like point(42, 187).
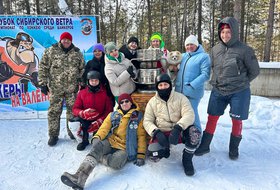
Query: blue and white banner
point(23, 40)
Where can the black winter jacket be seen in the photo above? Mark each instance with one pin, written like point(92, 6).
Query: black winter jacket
point(234, 63)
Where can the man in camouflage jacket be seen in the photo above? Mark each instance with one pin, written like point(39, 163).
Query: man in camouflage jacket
point(60, 70)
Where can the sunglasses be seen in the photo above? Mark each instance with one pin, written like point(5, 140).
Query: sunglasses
point(124, 101)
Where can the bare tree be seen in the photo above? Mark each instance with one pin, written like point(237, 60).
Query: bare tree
point(27, 6)
point(8, 7)
point(118, 5)
point(199, 11)
point(96, 12)
point(269, 31)
point(242, 20)
point(1, 7)
point(149, 17)
point(37, 2)
point(212, 38)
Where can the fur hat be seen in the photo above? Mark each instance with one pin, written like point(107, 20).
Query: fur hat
point(98, 46)
point(191, 40)
point(66, 35)
point(123, 97)
point(133, 39)
point(110, 46)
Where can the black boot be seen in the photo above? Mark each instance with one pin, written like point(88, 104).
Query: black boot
point(233, 146)
point(85, 142)
point(52, 141)
point(187, 163)
point(204, 146)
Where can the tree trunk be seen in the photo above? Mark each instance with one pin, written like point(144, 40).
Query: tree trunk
point(8, 5)
point(177, 25)
point(1, 7)
point(149, 17)
point(27, 6)
point(269, 31)
point(116, 20)
point(38, 11)
point(96, 12)
point(199, 21)
point(213, 24)
point(242, 15)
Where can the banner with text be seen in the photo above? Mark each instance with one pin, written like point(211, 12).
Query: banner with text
point(23, 40)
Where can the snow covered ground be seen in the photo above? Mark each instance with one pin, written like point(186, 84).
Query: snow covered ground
point(28, 163)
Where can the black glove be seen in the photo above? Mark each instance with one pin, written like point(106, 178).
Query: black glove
point(45, 89)
point(6, 71)
point(34, 79)
point(175, 134)
point(139, 162)
point(130, 71)
point(162, 139)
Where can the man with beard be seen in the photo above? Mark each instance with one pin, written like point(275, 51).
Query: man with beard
point(169, 119)
point(60, 72)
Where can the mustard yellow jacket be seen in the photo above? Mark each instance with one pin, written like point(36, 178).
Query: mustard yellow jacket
point(118, 138)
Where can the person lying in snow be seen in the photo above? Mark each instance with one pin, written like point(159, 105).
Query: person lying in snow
point(120, 138)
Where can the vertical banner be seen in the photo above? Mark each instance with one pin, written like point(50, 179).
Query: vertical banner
point(23, 40)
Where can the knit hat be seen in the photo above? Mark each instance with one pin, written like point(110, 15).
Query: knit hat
point(224, 25)
point(66, 35)
point(98, 46)
point(133, 39)
point(157, 36)
point(191, 40)
point(110, 46)
point(123, 97)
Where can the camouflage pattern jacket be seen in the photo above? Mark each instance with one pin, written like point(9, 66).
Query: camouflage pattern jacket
point(61, 71)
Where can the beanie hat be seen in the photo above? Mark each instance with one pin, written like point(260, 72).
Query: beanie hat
point(224, 25)
point(66, 35)
point(133, 39)
point(110, 46)
point(191, 40)
point(98, 46)
point(157, 36)
point(123, 97)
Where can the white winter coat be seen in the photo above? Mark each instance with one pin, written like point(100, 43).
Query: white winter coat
point(164, 115)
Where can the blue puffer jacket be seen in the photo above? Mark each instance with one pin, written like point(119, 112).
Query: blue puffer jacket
point(194, 71)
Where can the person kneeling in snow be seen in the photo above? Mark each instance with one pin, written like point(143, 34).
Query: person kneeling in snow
point(169, 119)
point(91, 107)
point(120, 138)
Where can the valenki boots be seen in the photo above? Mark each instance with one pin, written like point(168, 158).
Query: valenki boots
point(77, 181)
point(233, 146)
point(187, 163)
point(204, 146)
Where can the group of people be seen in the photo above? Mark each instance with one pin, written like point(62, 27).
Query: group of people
point(171, 116)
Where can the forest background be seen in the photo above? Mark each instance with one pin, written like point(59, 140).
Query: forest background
point(175, 19)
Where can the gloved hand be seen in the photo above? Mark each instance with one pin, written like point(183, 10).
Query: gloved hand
point(45, 89)
point(130, 71)
point(34, 79)
point(6, 71)
point(139, 162)
point(95, 141)
point(162, 139)
point(88, 114)
point(175, 134)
